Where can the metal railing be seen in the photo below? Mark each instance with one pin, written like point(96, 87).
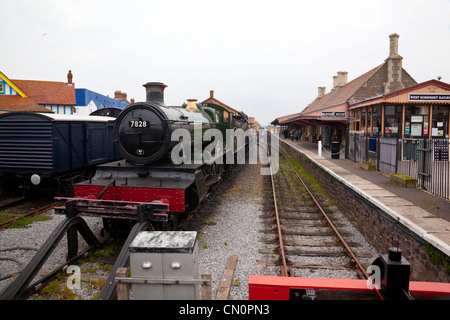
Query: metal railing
point(426, 160)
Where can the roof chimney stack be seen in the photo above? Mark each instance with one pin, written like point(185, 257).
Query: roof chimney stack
point(393, 46)
point(118, 95)
point(211, 94)
point(342, 78)
point(335, 82)
point(394, 79)
point(321, 92)
point(69, 78)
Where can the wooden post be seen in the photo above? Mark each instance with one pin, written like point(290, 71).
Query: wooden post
point(123, 288)
point(206, 293)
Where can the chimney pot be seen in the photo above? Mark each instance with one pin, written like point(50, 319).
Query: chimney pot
point(211, 94)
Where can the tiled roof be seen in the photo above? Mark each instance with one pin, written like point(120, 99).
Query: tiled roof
point(279, 120)
point(18, 103)
point(48, 92)
point(340, 95)
point(215, 101)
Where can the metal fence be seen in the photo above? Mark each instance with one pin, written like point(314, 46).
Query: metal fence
point(422, 159)
point(428, 162)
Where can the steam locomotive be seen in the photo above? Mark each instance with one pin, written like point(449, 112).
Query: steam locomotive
point(144, 135)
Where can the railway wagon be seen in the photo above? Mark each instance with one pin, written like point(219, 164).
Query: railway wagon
point(45, 147)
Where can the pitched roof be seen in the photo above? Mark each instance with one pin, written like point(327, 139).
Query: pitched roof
point(340, 95)
point(48, 92)
point(12, 85)
point(215, 101)
point(18, 103)
point(279, 120)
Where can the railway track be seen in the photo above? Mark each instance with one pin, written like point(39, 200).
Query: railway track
point(312, 236)
point(28, 214)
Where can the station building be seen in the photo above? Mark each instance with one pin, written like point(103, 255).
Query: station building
point(326, 118)
point(386, 118)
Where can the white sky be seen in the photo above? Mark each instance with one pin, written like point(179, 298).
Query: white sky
point(266, 58)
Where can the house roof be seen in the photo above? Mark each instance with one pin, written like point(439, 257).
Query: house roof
point(340, 95)
point(12, 85)
point(48, 92)
point(18, 103)
point(214, 100)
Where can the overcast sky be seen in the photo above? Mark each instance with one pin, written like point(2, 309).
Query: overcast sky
point(266, 58)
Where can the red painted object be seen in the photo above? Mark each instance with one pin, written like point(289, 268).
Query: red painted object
point(174, 197)
point(278, 288)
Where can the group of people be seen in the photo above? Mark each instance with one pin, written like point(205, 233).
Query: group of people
point(293, 134)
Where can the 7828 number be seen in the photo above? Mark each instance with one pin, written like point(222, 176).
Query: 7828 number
point(138, 124)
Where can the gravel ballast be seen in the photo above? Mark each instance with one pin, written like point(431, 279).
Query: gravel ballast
point(233, 222)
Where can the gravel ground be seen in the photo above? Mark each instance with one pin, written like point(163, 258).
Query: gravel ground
point(233, 227)
point(33, 237)
point(226, 225)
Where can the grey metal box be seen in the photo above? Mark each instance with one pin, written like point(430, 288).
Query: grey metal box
point(163, 256)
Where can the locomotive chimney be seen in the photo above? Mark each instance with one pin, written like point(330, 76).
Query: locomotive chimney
point(155, 92)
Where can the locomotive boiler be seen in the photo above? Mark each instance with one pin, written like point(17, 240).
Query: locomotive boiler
point(143, 134)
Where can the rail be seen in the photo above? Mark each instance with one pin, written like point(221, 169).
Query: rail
point(284, 268)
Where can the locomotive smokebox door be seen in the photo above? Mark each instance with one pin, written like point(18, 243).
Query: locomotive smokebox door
point(168, 261)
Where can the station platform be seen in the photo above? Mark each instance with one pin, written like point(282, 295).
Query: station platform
point(428, 215)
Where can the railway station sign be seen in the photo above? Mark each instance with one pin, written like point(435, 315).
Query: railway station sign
point(429, 97)
point(333, 115)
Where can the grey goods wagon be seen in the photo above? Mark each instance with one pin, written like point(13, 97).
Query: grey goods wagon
point(36, 147)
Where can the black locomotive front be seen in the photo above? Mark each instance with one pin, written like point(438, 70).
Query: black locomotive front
point(143, 130)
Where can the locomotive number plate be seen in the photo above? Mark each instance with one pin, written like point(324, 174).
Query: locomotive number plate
point(138, 124)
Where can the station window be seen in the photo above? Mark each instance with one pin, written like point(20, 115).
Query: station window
point(2, 88)
point(376, 121)
point(392, 121)
point(439, 123)
point(416, 120)
point(357, 120)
